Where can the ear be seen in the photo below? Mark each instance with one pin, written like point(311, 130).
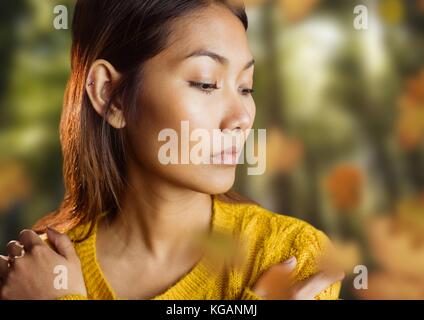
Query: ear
point(101, 78)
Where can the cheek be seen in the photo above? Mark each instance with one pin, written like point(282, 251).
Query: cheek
point(166, 110)
point(177, 102)
point(251, 109)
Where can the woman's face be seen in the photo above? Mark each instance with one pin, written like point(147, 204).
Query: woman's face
point(209, 92)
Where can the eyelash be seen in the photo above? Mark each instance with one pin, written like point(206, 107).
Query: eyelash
point(199, 85)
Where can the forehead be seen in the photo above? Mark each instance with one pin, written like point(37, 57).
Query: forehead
point(215, 29)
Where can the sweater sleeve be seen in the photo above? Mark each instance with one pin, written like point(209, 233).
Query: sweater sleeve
point(248, 294)
point(310, 244)
point(306, 243)
point(72, 297)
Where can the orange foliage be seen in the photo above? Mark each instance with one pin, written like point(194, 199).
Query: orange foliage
point(410, 123)
point(396, 243)
point(283, 154)
point(14, 184)
point(292, 10)
point(344, 185)
point(342, 255)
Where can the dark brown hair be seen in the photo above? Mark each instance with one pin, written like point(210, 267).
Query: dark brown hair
point(126, 33)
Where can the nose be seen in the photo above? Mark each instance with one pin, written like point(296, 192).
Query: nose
point(239, 114)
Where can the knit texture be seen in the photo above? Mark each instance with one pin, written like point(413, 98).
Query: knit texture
point(268, 238)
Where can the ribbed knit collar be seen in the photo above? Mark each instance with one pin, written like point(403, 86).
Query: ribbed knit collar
point(197, 277)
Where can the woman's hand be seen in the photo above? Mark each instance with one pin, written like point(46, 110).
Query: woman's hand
point(30, 271)
point(277, 283)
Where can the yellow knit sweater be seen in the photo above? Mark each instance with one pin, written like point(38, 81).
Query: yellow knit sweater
point(270, 239)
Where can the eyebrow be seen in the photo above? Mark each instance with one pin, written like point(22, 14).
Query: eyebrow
point(218, 58)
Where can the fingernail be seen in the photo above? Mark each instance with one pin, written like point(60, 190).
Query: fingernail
point(51, 229)
point(290, 260)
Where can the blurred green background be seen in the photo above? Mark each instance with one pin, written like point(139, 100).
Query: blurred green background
point(343, 109)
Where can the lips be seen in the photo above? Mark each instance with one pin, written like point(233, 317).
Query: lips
point(227, 151)
point(227, 156)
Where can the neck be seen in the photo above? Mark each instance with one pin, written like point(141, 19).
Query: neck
point(159, 217)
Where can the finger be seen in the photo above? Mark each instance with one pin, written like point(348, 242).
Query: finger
point(274, 283)
point(29, 239)
point(289, 264)
point(309, 288)
point(15, 249)
point(61, 243)
point(4, 267)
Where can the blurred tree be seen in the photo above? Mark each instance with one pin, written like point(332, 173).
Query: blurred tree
point(33, 81)
point(10, 12)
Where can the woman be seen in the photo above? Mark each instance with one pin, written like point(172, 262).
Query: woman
point(130, 227)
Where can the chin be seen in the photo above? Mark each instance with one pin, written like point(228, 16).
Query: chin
point(220, 180)
point(209, 179)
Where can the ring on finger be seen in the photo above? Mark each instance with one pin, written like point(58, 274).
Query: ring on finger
point(13, 258)
point(21, 255)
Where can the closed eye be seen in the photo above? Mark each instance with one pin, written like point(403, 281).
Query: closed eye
point(209, 87)
point(205, 87)
point(247, 92)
